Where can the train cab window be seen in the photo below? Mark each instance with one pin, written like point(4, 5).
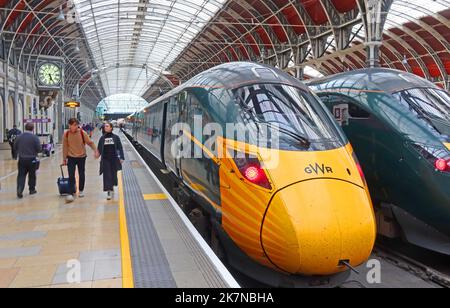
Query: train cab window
point(296, 115)
point(429, 105)
point(357, 112)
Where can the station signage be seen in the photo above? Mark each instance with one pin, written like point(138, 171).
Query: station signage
point(72, 104)
point(37, 121)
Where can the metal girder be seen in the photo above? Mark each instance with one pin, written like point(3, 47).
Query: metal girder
point(374, 15)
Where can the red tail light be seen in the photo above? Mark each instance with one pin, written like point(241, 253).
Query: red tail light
point(251, 170)
point(438, 157)
point(442, 165)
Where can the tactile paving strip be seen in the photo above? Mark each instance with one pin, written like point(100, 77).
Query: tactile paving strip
point(205, 265)
point(150, 266)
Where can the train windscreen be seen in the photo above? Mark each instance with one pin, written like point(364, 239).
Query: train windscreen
point(431, 105)
point(298, 118)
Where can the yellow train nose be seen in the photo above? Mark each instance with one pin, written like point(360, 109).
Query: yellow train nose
point(310, 227)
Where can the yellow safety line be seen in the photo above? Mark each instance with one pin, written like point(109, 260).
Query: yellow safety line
point(127, 269)
point(152, 197)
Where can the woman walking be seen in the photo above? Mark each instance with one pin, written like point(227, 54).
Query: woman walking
point(110, 150)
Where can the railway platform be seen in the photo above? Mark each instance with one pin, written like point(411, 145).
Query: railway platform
point(138, 239)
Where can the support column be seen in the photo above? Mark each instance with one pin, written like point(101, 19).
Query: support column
point(60, 117)
point(374, 13)
point(299, 72)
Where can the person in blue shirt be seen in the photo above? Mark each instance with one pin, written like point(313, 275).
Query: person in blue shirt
point(27, 147)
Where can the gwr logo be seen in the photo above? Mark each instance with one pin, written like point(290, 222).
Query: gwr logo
point(318, 169)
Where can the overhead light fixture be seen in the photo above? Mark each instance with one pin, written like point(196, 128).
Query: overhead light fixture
point(77, 47)
point(61, 16)
point(405, 60)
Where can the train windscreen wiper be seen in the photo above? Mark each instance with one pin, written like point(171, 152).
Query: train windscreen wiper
point(303, 140)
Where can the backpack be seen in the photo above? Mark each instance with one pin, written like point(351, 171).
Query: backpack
point(82, 136)
point(13, 137)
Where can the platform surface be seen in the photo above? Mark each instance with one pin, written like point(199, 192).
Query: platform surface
point(42, 237)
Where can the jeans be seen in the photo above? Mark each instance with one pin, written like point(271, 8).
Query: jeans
point(26, 167)
point(109, 175)
point(72, 164)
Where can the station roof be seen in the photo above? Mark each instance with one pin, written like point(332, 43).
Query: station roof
point(142, 46)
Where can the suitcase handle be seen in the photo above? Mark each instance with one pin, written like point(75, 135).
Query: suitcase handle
point(62, 170)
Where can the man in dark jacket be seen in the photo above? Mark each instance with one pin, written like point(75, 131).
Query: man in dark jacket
point(27, 147)
point(12, 135)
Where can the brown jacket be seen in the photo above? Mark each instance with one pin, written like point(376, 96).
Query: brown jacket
point(73, 145)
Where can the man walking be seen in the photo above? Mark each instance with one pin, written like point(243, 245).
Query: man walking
point(74, 153)
point(12, 135)
point(27, 146)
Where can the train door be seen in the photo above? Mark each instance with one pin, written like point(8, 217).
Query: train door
point(171, 149)
point(200, 170)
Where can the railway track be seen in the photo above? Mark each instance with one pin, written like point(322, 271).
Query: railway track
point(422, 263)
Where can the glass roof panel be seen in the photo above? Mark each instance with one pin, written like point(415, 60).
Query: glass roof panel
point(403, 11)
point(126, 35)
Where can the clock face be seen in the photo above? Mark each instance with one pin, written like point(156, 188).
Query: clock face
point(50, 74)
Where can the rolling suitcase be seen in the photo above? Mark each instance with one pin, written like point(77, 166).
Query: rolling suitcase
point(63, 184)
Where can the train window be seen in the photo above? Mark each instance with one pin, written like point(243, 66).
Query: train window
point(182, 100)
point(195, 109)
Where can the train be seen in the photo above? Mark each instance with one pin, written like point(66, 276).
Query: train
point(399, 126)
point(280, 195)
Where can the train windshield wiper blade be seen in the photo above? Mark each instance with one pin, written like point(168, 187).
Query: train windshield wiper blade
point(304, 141)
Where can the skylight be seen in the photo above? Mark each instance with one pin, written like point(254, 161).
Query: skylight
point(122, 104)
point(134, 41)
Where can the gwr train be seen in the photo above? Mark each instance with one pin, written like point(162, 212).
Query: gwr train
point(304, 220)
point(399, 125)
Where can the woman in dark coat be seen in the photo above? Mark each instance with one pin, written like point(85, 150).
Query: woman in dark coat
point(110, 149)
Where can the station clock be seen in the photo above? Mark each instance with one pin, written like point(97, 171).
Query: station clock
point(50, 75)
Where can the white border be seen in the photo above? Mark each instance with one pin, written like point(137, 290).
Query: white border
point(223, 271)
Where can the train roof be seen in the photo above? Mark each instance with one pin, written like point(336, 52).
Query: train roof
point(233, 75)
point(236, 74)
point(373, 79)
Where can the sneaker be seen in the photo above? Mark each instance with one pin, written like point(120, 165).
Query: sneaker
point(19, 195)
point(33, 192)
point(109, 195)
point(70, 199)
point(81, 194)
